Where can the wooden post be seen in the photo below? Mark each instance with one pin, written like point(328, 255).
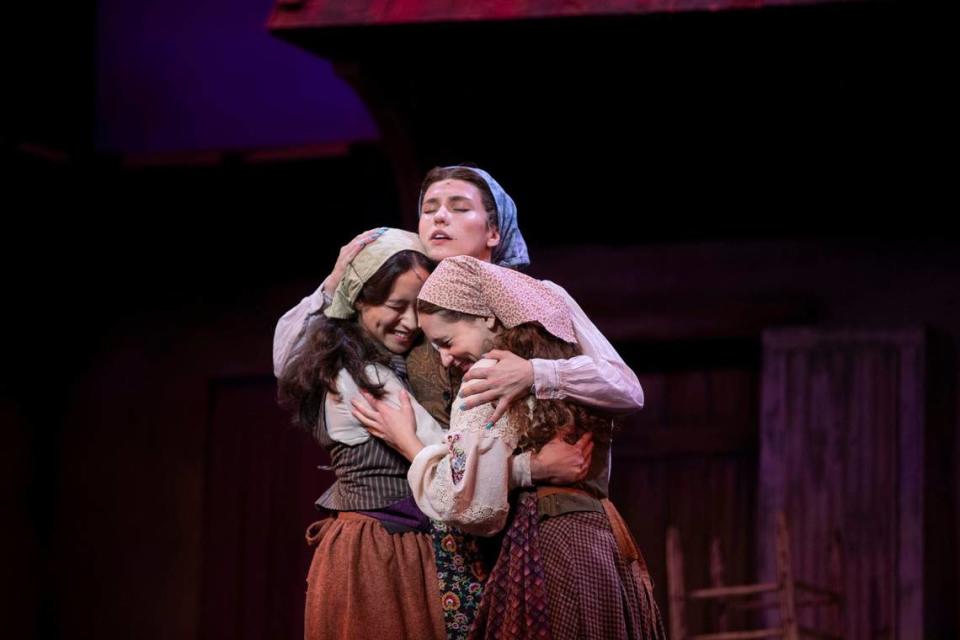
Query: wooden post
point(837, 583)
point(675, 589)
point(788, 607)
point(717, 580)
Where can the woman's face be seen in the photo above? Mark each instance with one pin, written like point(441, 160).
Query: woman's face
point(453, 222)
point(460, 342)
point(394, 323)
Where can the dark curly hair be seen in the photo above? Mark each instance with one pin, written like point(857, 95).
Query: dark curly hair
point(539, 425)
point(334, 344)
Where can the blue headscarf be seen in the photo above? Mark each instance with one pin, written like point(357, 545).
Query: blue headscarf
point(512, 249)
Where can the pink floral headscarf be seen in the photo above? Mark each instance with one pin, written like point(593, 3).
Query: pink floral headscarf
point(468, 285)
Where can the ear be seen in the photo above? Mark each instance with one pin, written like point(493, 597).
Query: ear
point(494, 237)
point(490, 322)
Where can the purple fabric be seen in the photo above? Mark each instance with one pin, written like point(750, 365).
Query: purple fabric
point(403, 515)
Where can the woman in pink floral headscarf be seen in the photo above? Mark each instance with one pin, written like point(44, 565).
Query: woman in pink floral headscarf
point(568, 567)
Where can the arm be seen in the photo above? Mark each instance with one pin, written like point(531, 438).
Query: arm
point(343, 426)
point(466, 480)
point(400, 426)
point(293, 325)
point(599, 378)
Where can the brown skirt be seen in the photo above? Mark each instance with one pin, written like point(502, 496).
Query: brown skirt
point(367, 583)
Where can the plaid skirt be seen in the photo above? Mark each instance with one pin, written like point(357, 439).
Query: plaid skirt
point(565, 578)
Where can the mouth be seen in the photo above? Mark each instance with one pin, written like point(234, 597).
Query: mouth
point(401, 336)
point(463, 364)
point(439, 236)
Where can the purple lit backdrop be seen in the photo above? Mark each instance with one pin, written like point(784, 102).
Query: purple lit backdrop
point(180, 75)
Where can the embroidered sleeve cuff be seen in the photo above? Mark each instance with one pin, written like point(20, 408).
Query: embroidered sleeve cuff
point(520, 471)
point(546, 379)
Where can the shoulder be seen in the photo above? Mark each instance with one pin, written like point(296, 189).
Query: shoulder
point(347, 386)
point(557, 289)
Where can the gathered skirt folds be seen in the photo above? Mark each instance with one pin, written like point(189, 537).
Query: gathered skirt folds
point(567, 578)
point(367, 583)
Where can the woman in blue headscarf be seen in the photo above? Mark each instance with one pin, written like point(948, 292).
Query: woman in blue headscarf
point(464, 211)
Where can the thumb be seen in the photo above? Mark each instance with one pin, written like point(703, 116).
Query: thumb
point(404, 399)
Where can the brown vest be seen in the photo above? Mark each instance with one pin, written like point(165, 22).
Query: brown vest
point(432, 385)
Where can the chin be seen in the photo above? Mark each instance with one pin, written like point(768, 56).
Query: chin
point(439, 253)
point(396, 347)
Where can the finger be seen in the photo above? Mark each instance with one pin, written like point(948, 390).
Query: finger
point(502, 407)
point(480, 399)
point(477, 373)
point(371, 401)
point(360, 242)
point(370, 234)
point(585, 441)
point(475, 387)
point(357, 247)
point(588, 455)
point(370, 425)
point(353, 247)
point(404, 399)
point(497, 354)
point(364, 410)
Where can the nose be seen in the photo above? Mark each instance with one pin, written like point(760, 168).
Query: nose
point(409, 319)
point(445, 358)
point(442, 214)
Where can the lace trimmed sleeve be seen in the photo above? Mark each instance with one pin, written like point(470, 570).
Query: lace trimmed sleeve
point(465, 480)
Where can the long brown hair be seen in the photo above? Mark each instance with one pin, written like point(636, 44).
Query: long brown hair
point(333, 344)
point(538, 425)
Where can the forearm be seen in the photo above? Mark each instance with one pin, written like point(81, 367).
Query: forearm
point(603, 385)
point(293, 325)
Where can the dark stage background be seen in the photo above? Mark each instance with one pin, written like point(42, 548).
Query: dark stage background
point(177, 177)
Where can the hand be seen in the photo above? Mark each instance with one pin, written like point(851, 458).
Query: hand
point(348, 252)
point(560, 463)
point(503, 383)
point(397, 426)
